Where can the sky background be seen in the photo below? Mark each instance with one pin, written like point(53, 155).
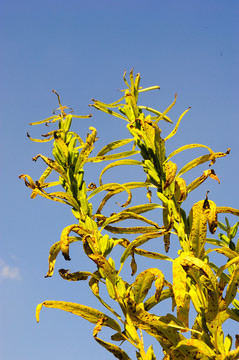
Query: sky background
point(81, 50)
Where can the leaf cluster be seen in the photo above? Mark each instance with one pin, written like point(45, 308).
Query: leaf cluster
point(197, 282)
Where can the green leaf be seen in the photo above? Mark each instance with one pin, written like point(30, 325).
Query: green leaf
point(86, 312)
point(233, 230)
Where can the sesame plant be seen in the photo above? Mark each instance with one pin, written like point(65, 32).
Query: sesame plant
point(131, 304)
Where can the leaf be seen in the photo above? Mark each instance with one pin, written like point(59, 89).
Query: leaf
point(200, 160)
point(151, 302)
point(131, 230)
point(86, 150)
point(124, 215)
point(113, 145)
point(177, 125)
point(54, 251)
point(98, 106)
point(143, 283)
point(186, 147)
point(227, 265)
point(232, 355)
point(160, 115)
point(140, 240)
point(149, 254)
point(94, 286)
point(195, 263)
point(196, 349)
point(119, 163)
point(109, 272)
point(116, 190)
point(52, 164)
point(86, 312)
point(198, 217)
point(163, 328)
point(227, 252)
point(113, 156)
point(51, 119)
point(70, 200)
point(65, 239)
point(114, 349)
point(111, 105)
point(76, 276)
point(142, 208)
point(227, 210)
point(232, 286)
point(198, 181)
point(180, 290)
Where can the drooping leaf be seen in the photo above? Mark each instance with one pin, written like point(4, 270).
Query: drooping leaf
point(86, 312)
point(143, 283)
point(186, 147)
point(75, 276)
point(227, 210)
point(140, 240)
point(177, 125)
point(114, 349)
point(200, 160)
point(118, 163)
point(65, 239)
point(54, 251)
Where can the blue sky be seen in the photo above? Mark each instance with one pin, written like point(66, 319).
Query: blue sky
point(81, 49)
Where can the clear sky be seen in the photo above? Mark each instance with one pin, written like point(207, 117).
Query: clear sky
point(81, 49)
